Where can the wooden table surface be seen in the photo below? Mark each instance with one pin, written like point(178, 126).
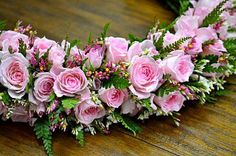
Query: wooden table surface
point(204, 130)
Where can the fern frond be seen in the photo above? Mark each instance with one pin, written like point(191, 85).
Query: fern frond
point(159, 42)
point(42, 131)
point(214, 16)
point(230, 45)
point(127, 123)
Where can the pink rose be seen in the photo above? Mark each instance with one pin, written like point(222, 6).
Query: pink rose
point(87, 111)
point(145, 75)
point(178, 65)
point(113, 97)
point(95, 56)
point(187, 25)
point(172, 102)
point(117, 49)
point(20, 114)
point(14, 74)
point(129, 107)
point(70, 82)
point(145, 47)
point(43, 86)
point(10, 39)
point(43, 44)
point(215, 49)
point(56, 55)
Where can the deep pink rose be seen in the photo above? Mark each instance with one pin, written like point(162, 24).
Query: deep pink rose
point(215, 49)
point(56, 55)
point(146, 47)
point(113, 97)
point(20, 114)
point(95, 56)
point(87, 111)
point(117, 49)
point(178, 65)
point(70, 82)
point(43, 86)
point(172, 102)
point(14, 74)
point(145, 75)
point(43, 44)
point(10, 39)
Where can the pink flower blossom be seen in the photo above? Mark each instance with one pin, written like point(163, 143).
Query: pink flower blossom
point(56, 55)
point(117, 49)
point(178, 65)
point(172, 102)
point(14, 74)
point(87, 111)
point(215, 49)
point(43, 44)
point(70, 82)
point(113, 97)
point(129, 107)
point(145, 75)
point(95, 56)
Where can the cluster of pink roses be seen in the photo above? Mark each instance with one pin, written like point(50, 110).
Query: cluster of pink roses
point(59, 69)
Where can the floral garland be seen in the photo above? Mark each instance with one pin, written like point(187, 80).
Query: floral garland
point(59, 86)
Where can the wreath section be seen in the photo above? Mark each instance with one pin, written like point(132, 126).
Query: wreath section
point(58, 86)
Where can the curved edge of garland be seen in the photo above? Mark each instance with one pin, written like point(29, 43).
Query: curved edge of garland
point(112, 80)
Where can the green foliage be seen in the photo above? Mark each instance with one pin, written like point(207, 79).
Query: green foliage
point(171, 47)
point(133, 38)
point(30, 83)
point(214, 16)
point(22, 47)
point(159, 42)
point(210, 69)
point(184, 5)
point(105, 30)
point(79, 135)
point(231, 30)
point(2, 25)
point(42, 131)
point(145, 103)
point(116, 81)
point(69, 103)
point(127, 123)
point(90, 38)
point(52, 96)
point(178, 6)
point(230, 45)
point(5, 98)
point(166, 89)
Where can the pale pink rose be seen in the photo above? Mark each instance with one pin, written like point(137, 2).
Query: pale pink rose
point(95, 56)
point(3, 108)
point(87, 111)
point(215, 49)
point(172, 102)
point(117, 49)
point(10, 39)
point(14, 74)
point(70, 82)
point(193, 47)
point(43, 44)
point(170, 38)
point(187, 25)
point(113, 97)
point(20, 114)
point(146, 47)
point(206, 34)
point(145, 76)
point(56, 55)
point(129, 107)
point(178, 65)
point(43, 86)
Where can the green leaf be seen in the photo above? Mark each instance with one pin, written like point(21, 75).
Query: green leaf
point(52, 96)
point(166, 89)
point(22, 47)
point(2, 25)
point(146, 103)
point(127, 123)
point(90, 38)
point(116, 81)
point(5, 98)
point(105, 30)
point(69, 103)
point(163, 52)
point(184, 5)
point(80, 137)
point(30, 83)
point(230, 45)
point(133, 38)
point(214, 16)
point(160, 41)
point(42, 131)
